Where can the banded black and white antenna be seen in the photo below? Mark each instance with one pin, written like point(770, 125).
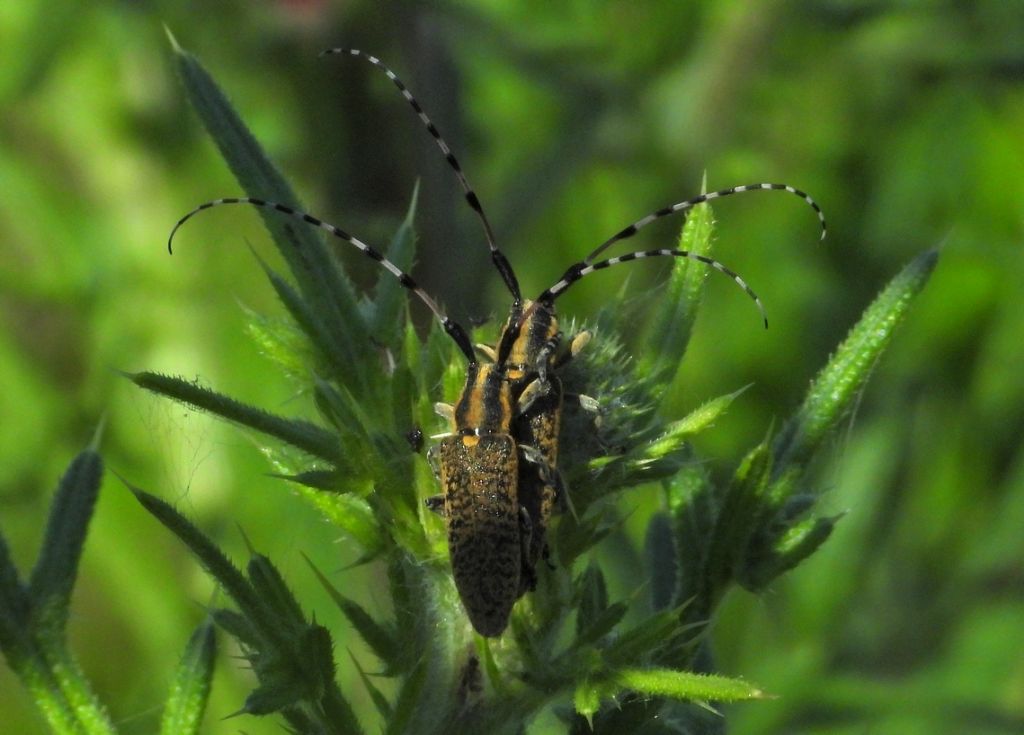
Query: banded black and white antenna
point(497, 257)
point(688, 204)
point(579, 270)
point(452, 328)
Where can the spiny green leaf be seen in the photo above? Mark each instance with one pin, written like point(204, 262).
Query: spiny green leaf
point(315, 653)
point(660, 554)
point(379, 700)
point(593, 597)
point(237, 625)
point(587, 700)
point(633, 646)
point(347, 414)
point(380, 638)
point(308, 437)
point(54, 574)
point(270, 587)
point(601, 624)
point(678, 300)
point(190, 689)
point(409, 701)
point(794, 545)
point(339, 717)
point(576, 537)
point(33, 615)
point(686, 685)
point(321, 282)
point(327, 480)
point(836, 387)
point(309, 321)
point(353, 515)
point(702, 417)
point(736, 521)
point(15, 605)
point(274, 696)
point(693, 505)
point(484, 652)
point(211, 557)
point(404, 397)
point(281, 342)
point(385, 321)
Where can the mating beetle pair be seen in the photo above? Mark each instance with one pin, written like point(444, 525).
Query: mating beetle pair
point(498, 464)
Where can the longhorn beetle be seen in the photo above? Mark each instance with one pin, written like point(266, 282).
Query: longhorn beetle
point(529, 345)
point(490, 526)
point(497, 507)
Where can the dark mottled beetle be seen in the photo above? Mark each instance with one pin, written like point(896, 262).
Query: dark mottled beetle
point(530, 349)
point(488, 531)
point(499, 464)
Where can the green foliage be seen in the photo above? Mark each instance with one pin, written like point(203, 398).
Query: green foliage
point(291, 657)
point(903, 120)
point(626, 662)
point(34, 617)
point(190, 689)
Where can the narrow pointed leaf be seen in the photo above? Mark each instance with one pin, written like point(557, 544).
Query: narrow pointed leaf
point(267, 699)
point(380, 638)
point(836, 387)
point(593, 598)
point(660, 553)
point(601, 624)
point(281, 342)
point(309, 321)
point(308, 437)
point(379, 700)
point(316, 656)
point(250, 164)
point(704, 416)
point(795, 545)
point(327, 480)
point(15, 605)
point(353, 515)
point(486, 655)
point(33, 615)
point(211, 557)
point(679, 299)
point(237, 625)
point(390, 296)
point(575, 538)
point(687, 685)
point(586, 700)
point(737, 518)
point(321, 282)
point(693, 504)
point(663, 457)
point(270, 587)
point(409, 704)
point(54, 573)
point(190, 689)
point(641, 640)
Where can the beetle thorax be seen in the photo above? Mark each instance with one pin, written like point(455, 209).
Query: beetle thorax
point(539, 329)
point(485, 406)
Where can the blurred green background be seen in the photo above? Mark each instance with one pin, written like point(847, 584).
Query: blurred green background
point(904, 120)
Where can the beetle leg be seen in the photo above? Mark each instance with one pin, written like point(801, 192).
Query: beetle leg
point(528, 573)
point(435, 504)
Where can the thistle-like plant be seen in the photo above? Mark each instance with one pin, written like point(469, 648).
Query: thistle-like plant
point(34, 615)
point(603, 664)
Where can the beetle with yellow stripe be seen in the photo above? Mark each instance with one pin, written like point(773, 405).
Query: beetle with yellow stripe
point(498, 461)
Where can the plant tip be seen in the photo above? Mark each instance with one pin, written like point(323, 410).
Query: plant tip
point(97, 435)
point(175, 46)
